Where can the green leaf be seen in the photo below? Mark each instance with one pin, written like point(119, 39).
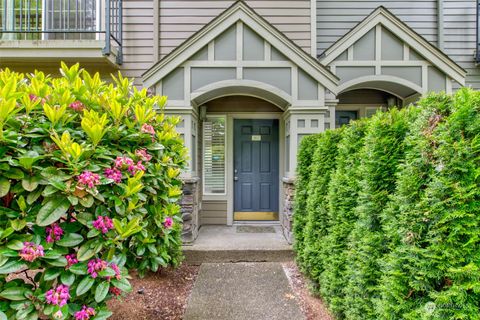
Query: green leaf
point(85, 285)
point(122, 284)
point(52, 211)
point(102, 315)
point(78, 268)
point(11, 266)
point(14, 173)
point(33, 196)
point(18, 224)
point(101, 291)
point(14, 293)
point(67, 278)
point(51, 274)
point(70, 240)
point(3, 316)
point(15, 245)
point(87, 201)
point(85, 252)
point(93, 233)
point(59, 262)
point(30, 183)
point(4, 186)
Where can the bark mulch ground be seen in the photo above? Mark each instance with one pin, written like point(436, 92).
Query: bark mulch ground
point(313, 307)
point(162, 295)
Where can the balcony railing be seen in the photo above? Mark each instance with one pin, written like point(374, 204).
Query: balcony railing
point(64, 20)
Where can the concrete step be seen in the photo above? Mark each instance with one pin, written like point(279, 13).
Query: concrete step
point(224, 244)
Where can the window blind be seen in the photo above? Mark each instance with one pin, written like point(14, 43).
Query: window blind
point(214, 156)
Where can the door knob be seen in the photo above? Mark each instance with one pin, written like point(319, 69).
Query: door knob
point(235, 178)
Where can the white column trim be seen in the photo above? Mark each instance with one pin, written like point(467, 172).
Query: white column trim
point(156, 30)
point(378, 48)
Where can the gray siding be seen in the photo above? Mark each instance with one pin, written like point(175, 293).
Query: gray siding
point(181, 18)
point(137, 38)
point(213, 212)
point(335, 18)
point(459, 39)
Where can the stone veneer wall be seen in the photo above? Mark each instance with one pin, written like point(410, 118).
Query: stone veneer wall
point(287, 217)
point(189, 208)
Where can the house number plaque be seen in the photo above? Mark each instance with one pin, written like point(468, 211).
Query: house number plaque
point(256, 137)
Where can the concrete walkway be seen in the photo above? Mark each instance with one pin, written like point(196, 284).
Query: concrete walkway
point(242, 291)
point(216, 244)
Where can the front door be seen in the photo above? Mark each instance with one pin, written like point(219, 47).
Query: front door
point(256, 174)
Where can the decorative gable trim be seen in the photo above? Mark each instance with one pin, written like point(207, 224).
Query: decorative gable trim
point(388, 20)
point(239, 11)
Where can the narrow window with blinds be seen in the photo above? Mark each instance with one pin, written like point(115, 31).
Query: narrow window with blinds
point(214, 156)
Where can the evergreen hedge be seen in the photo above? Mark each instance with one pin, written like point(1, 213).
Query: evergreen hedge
point(323, 164)
point(392, 213)
point(305, 157)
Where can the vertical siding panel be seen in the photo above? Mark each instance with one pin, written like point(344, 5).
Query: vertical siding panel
point(460, 33)
point(181, 18)
point(137, 38)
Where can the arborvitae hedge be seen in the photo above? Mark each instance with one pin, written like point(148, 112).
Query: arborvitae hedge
point(305, 156)
point(317, 207)
point(342, 198)
point(393, 219)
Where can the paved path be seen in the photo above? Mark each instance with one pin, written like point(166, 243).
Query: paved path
point(242, 291)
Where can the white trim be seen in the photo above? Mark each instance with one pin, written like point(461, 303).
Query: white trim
point(404, 33)
point(378, 48)
point(239, 39)
point(406, 53)
point(156, 29)
point(384, 63)
point(383, 78)
point(244, 63)
point(215, 196)
point(241, 12)
point(211, 51)
point(242, 87)
point(267, 52)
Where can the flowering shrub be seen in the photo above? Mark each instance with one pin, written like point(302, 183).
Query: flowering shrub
point(88, 189)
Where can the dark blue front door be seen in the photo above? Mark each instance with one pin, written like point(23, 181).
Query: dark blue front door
point(256, 169)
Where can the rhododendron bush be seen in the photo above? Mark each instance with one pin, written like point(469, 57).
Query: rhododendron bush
point(88, 190)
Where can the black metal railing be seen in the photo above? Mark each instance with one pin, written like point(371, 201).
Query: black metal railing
point(63, 20)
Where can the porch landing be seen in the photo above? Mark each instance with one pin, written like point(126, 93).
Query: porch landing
point(238, 243)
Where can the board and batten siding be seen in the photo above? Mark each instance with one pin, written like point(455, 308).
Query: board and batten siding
point(335, 18)
point(182, 18)
point(138, 20)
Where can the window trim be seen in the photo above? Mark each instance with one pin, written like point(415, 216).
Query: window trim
point(224, 117)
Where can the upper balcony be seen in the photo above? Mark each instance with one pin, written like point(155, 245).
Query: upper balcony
point(47, 31)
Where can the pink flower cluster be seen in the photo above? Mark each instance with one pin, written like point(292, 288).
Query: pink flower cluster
point(77, 106)
point(168, 222)
point(85, 313)
point(146, 128)
point(31, 251)
point(103, 223)
point(114, 174)
point(58, 296)
point(54, 233)
point(118, 273)
point(71, 260)
point(143, 154)
point(89, 179)
point(122, 163)
point(96, 265)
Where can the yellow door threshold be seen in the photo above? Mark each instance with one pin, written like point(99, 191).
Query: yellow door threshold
point(255, 216)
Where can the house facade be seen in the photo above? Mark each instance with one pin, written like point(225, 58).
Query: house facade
point(251, 78)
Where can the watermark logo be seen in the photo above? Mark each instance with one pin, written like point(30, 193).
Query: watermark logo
point(430, 308)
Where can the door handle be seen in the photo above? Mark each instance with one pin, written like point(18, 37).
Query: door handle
point(235, 178)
